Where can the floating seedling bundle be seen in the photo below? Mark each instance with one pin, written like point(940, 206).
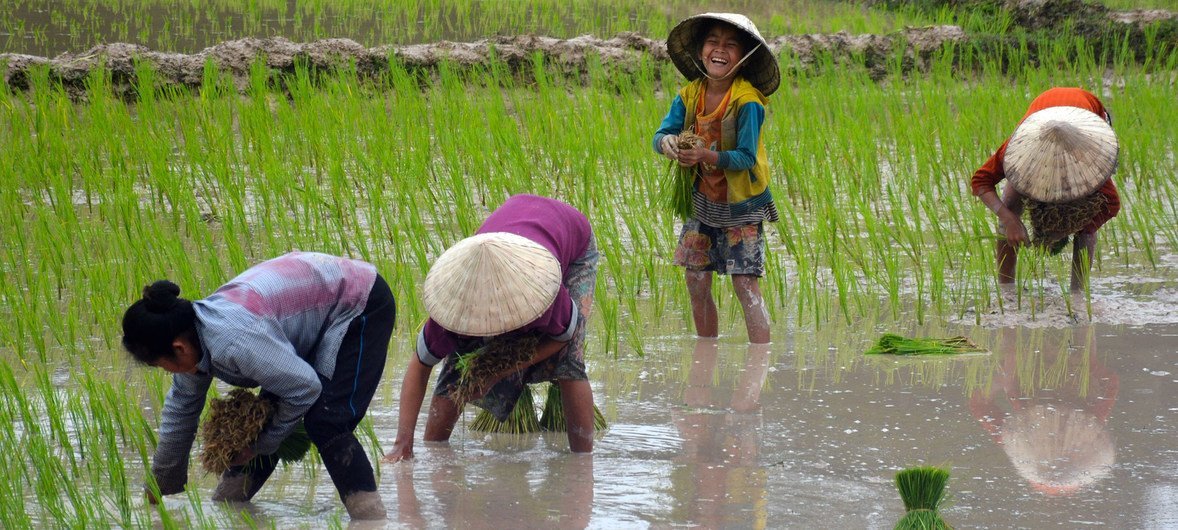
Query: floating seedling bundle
point(923, 491)
point(678, 185)
point(892, 344)
point(1052, 223)
point(235, 422)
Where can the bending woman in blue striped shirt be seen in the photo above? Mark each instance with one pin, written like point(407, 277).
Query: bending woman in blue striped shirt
point(310, 329)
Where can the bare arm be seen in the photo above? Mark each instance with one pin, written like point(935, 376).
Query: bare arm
point(412, 395)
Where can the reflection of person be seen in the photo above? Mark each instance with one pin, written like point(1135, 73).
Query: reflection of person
point(562, 499)
point(1054, 131)
point(732, 73)
point(530, 269)
point(310, 329)
point(720, 450)
point(1054, 432)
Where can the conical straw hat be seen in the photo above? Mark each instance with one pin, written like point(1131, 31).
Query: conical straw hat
point(1060, 154)
point(760, 69)
point(490, 284)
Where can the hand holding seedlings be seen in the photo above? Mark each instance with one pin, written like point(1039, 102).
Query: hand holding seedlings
point(669, 146)
point(691, 157)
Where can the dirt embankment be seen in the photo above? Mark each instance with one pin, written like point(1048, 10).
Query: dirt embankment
point(626, 51)
point(909, 49)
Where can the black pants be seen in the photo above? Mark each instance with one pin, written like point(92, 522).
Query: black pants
point(331, 420)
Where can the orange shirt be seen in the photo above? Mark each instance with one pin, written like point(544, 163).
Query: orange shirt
point(986, 178)
point(712, 182)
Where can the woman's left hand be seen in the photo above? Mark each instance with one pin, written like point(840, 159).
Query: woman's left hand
point(243, 457)
point(691, 157)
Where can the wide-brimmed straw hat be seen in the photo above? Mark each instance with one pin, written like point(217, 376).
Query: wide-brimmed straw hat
point(760, 69)
point(490, 284)
point(1060, 154)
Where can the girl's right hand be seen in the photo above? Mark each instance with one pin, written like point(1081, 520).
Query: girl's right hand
point(669, 145)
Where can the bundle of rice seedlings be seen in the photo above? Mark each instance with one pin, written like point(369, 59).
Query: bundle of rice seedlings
point(499, 355)
point(923, 490)
point(553, 417)
point(521, 421)
point(1053, 223)
point(235, 422)
point(892, 344)
point(678, 184)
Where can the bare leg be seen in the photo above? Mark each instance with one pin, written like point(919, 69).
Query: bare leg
point(1006, 254)
point(443, 415)
point(577, 398)
point(1083, 252)
point(703, 308)
point(756, 315)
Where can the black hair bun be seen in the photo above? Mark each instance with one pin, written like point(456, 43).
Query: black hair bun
point(161, 296)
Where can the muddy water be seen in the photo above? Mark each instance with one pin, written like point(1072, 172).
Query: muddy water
point(1055, 428)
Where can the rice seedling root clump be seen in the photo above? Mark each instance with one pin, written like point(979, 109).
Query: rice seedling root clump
point(478, 369)
point(235, 422)
point(892, 344)
point(1052, 223)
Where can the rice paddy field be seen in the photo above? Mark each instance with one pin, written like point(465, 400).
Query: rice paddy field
point(1068, 420)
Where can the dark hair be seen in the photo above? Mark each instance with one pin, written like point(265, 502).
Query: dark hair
point(154, 321)
point(748, 42)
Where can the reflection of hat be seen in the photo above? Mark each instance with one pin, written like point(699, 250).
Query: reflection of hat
point(1058, 450)
point(1060, 154)
point(760, 69)
point(490, 284)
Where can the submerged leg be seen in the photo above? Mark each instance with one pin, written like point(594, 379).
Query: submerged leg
point(577, 398)
point(1083, 253)
point(443, 415)
point(703, 308)
point(756, 315)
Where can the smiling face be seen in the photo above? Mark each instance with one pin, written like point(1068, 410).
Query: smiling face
point(722, 49)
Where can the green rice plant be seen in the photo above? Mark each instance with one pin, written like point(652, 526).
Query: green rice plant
point(522, 419)
point(923, 491)
point(553, 418)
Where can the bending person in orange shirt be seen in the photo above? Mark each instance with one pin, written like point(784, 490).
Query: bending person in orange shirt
point(1046, 133)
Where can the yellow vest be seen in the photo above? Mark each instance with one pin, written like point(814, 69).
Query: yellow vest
point(747, 189)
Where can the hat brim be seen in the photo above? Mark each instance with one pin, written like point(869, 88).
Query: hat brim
point(1060, 154)
point(760, 69)
point(491, 283)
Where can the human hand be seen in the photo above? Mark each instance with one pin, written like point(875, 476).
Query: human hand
point(1016, 233)
point(669, 145)
point(691, 157)
point(243, 457)
point(401, 451)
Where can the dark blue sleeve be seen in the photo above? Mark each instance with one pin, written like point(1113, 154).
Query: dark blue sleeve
point(749, 120)
point(672, 123)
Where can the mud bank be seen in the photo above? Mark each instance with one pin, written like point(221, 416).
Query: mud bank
point(906, 51)
point(625, 51)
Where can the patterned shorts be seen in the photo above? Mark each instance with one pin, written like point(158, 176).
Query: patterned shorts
point(568, 364)
point(732, 250)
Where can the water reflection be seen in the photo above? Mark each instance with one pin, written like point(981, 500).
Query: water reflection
point(1048, 409)
point(458, 493)
point(717, 480)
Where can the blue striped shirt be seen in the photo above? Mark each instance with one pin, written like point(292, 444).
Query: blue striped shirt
point(278, 325)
